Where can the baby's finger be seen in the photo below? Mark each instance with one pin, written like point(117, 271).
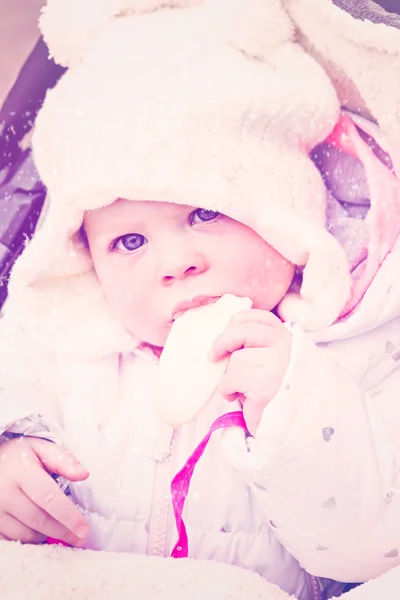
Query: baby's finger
point(14, 530)
point(35, 518)
point(46, 494)
point(58, 460)
point(228, 391)
point(232, 385)
point(252, 415)
point(258, 316)
point(231, 397)
point(243, 335)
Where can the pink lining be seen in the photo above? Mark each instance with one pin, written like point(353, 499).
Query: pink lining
point(383, 219)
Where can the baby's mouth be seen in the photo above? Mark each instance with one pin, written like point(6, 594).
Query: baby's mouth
point(195, 302)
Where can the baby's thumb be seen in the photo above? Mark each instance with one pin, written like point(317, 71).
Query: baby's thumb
point(59, 460)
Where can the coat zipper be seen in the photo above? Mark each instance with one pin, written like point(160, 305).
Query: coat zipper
point(159, 521)
point(160, 518)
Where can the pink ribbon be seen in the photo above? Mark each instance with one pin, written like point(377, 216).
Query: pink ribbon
point(181, 482)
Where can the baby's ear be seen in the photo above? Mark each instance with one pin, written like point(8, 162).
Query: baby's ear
point(70, 27)
point(255, 27)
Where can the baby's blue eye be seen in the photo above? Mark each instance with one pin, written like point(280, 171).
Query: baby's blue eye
point(203, 215)
point(129, 242)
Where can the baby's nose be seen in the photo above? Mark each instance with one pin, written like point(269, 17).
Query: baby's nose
point(181, 268)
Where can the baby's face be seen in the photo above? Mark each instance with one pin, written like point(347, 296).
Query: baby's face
point(152, 256)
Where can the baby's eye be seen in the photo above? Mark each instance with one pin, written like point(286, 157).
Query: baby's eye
point(129, 242)
point(202, 215)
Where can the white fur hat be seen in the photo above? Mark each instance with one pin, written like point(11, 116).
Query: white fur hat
point(209, 104)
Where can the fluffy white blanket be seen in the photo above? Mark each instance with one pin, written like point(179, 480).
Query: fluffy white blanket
point(54, 573)
point(58, 573)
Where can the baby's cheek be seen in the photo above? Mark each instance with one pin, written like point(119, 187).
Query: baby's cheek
point(272, 281)
point(122, 301)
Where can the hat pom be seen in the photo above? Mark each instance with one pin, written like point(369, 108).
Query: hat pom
point(70, 27)
point(255, 27)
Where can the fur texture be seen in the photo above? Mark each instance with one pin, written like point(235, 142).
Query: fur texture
point(242, 149)
point(57, 572)
point(71, 28)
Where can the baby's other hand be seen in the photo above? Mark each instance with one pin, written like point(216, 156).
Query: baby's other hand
point(32, 506)
point(258, 346)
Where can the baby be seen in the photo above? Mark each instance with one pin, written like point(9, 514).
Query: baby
point(176, 151)
point(154, 260)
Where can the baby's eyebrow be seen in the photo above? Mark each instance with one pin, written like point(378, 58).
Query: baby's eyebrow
point(121, 227)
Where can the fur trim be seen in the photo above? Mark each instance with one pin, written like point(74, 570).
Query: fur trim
point(253, 26)
point(363, 33)
point(362, 59)
point(71, 28)
point(326, 285)
point(372, 11)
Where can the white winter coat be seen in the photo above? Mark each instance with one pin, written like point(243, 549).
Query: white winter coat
point(104, 413)
point(321, 476)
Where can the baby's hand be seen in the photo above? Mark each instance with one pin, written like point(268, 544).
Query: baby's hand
point(32, 506)
point(259, 348)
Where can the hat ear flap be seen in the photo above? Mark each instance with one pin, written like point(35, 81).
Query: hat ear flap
point(255, 27)
point(325, 289)
point(70, 27)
